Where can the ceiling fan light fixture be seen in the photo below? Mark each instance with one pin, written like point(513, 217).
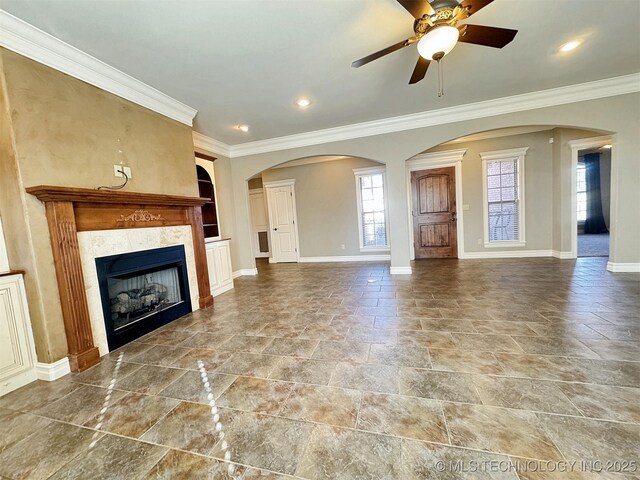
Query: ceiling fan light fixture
point(303, 102)
point(441, 40)
point(569, 46)
point(242, 127)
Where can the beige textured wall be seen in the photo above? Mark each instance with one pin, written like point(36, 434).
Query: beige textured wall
point(326, 205)
point(66, 133)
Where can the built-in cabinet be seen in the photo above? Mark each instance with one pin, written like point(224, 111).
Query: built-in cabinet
point(207, 189)
point(217, 248)
point(219, 264)
point(17, 352)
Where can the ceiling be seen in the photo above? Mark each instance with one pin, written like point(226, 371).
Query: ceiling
point(240, 61)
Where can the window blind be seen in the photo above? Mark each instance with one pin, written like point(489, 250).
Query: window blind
point(374, 225)
point(503, 200)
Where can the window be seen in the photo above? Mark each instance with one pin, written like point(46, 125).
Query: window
point(372, 215)
point(582, 192)
point(503, 182)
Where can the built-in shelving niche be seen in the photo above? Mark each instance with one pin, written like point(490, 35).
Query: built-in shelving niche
point(206, 186)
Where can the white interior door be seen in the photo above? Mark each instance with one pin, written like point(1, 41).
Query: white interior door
point(284, 245)
point(259, 222)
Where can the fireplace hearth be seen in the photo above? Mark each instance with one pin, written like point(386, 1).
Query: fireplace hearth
point(142, 291)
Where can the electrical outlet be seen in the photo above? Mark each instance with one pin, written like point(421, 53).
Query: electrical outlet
point(465, 207)
point(479, 241)
point(342, 246)
point(117, 171)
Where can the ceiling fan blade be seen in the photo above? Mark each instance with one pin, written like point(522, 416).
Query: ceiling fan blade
point(417, 8)
point(474, 5)
point(487, 36)
point(383, 52)
point(420, 70)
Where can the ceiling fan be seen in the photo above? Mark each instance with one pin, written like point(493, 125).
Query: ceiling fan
point(437, 32)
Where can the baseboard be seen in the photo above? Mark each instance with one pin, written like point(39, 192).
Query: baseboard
point(562, 255)
point(53, 371)
point(509, 254)
point(623, 267)
point(271, 260)
point(221, 289)
point(245, 272)
point(400, 270)
point(346, 258)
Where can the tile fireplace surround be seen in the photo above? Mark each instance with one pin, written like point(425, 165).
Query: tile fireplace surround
point(73, 210)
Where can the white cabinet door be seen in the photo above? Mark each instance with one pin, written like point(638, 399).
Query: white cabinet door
point(219, 265)
point(223, 262)
point(17, 352)
point(214, 279)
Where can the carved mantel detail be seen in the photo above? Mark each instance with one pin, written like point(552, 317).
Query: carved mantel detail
point(140, 216)
point(73, 210)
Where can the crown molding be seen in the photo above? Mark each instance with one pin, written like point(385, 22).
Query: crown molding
point(609, 87)
point(211, 145)
point(31, 42)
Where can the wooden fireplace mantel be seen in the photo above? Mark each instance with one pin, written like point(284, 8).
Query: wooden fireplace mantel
point(73, 210)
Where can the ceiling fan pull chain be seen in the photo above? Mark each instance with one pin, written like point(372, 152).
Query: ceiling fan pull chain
point(440, 79)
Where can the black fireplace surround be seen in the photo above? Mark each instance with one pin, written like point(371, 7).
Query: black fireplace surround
point(142, 291)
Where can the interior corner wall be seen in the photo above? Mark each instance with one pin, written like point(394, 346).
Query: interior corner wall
point(326, 205)
point(67, 133)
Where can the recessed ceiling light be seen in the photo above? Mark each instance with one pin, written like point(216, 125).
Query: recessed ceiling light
point(607, 146)
point(567, 47)
point(303, 102)
point(243, 128)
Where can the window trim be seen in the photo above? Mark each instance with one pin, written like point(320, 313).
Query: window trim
point(509, 154)
point(358, 173)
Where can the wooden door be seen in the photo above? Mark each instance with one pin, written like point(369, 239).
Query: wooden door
point(434, 213)
point(284, 246)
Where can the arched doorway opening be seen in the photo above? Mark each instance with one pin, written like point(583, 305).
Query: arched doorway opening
point(322, 208)
point(510, 193)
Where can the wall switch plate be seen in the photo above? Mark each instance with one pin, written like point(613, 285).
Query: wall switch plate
point(117, 171)
point(465, 207)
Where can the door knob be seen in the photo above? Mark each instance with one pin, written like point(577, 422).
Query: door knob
point(275, 229)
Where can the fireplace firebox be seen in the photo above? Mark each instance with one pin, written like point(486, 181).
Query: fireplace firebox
point(142, 291)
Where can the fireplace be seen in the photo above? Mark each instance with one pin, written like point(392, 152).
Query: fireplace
point(142, 291)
